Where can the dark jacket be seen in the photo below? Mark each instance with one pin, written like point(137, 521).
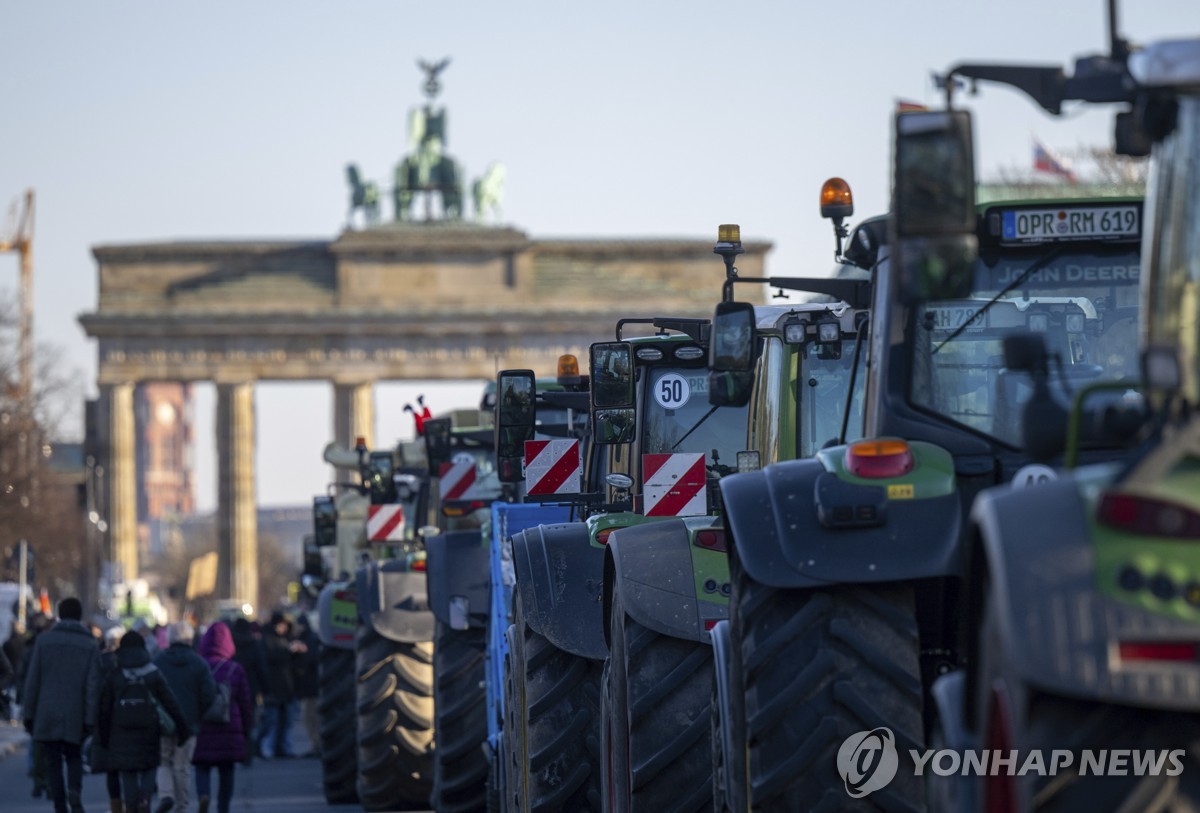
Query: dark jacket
point(190, 680)
point(306, 679)
point(62, 683)
point(249, 654)
point(225, 742)
point(136, 749)
point(281, 661)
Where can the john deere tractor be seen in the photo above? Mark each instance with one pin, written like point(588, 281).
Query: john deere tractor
point(849, 569)
point(1084, 619)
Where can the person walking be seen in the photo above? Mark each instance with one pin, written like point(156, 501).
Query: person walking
point(98, 758)
point(307, 683)
point(222, 745)
point(59, 697)
point(129, 722)
point(249, 653)
point(280, 652)
point(192, 684)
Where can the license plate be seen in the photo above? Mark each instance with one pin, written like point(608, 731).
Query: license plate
point(952, 318)
point(1038, 225)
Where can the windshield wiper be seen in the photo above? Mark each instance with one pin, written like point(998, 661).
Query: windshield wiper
point(695, 426)
point(1037, 265)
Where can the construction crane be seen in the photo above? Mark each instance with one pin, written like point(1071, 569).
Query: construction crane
point(18, 238)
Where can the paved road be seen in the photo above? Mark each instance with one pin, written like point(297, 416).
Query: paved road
point(292, 785)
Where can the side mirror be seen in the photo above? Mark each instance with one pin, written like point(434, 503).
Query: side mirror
point(314, 565)
point(324, 522)
point(731, 341)
point(378, 478)
point(614, 415)
point(437, 443)
point(516, 415)
point(934, 245)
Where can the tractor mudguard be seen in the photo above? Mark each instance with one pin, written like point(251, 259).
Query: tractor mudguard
point(956, 791)
point(337, 611)
point(560, 578)
point(393, 600)
point(723, 656)
point(1058, 631)
point(652, 568)
point(773, 518)
point(456, 566)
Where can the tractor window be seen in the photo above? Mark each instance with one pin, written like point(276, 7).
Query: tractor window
point(1083, 301)
point(822, 388)
point(678, 418)
point(1174, 302)
point(768, 389)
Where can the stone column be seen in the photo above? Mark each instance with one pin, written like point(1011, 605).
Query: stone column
point(122, 480)
point(353, 417)
point(237, 519)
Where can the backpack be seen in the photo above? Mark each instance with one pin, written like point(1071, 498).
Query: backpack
point(218, 711)
point(134, 708)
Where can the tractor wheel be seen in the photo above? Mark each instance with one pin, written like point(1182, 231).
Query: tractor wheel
point(719, 779)
point(460, 765)
point(819, 666)
point(335, 705)
point(657, 719)
point(1018, 716)
point(733, 714)
point(395, 721)
point(512, 786)
point(560, 746)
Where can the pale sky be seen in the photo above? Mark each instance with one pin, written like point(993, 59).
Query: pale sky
point(225, 120)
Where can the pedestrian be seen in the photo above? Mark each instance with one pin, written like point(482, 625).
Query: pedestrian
point(280, 652)
point(98, 759)
point(192, 683)
point(36, 757)
point(129, 727)
point(249, 654)
point(223, 745)
point(59, 697)
point(307, 682)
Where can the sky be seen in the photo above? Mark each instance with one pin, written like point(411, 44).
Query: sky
point(146, 122)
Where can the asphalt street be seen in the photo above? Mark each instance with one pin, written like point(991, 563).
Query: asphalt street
point(293, 785)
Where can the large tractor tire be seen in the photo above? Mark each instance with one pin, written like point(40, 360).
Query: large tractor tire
point(819, 666)
point(720, 778)
point(335, 705)
point(395, 721)
point(1018, 716)
point(510, 783)
point(657, 713)
point(560, 730)
point(460, 771)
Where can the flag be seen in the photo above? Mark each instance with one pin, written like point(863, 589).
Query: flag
point(905, 106)
point(1043, 161)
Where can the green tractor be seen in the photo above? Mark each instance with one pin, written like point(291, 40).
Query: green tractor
point(849, 568)
point(1084, 617)
point(666, 583)
point(376, 630)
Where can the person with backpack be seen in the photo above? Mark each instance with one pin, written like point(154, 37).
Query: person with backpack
point(131, 722)
point(222, 745)
point(192, 684)
point(60, 701)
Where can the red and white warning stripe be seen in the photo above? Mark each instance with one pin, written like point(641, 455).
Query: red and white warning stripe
point(385, 523)
point(673, 485)
point(457, 481)
point(552, 466)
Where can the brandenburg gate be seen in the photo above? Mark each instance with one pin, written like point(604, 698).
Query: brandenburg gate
point(440, 300)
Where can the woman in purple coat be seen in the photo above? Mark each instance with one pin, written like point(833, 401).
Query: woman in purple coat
point(222, 745)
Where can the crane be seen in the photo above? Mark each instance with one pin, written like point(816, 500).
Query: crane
point(18, 238)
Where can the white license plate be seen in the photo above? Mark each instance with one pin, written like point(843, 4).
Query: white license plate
point(1070, 224)
point(953, 318)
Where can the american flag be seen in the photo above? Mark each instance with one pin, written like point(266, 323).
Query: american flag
point(1043, 161)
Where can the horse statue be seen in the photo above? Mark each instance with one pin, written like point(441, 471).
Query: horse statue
point(488, 191)
point(364, 195)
